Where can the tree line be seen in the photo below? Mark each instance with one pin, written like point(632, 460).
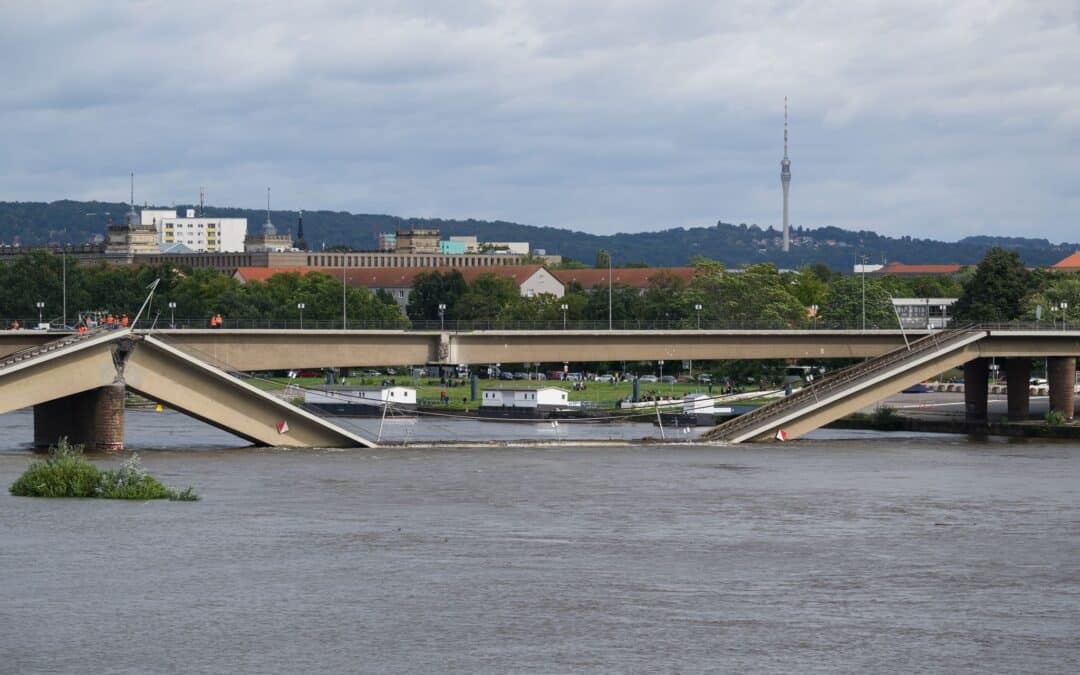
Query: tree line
point(999, 289)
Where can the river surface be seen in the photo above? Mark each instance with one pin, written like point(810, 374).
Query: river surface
point(879, 553)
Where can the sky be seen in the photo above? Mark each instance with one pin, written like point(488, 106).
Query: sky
point(929, 119)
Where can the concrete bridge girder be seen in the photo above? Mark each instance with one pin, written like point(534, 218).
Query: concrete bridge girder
point(168, 375)
point(51, 376)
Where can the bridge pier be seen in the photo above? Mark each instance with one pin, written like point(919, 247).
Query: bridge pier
point(976, 385)
point(93, 418)
point(1061, 377)
point(1017, 376)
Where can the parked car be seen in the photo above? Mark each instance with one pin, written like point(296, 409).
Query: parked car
point(575, 377)
point(683, 379)
point(668, 379)
point(606, 377)
point(648, 378)
point(521, 376)
point(704, 378)
point(506, 376)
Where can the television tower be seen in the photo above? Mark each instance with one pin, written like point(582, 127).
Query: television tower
point(785, 182)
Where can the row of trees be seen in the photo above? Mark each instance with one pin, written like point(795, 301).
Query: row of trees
point(759, 294)
point(198, 294)
point(999, 289)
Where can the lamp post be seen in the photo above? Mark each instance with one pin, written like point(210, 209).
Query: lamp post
point(442, 316)
point(862, 268)
point(40, 306)
point(661, 363)
point(564, 307)
point(300, 306)
point(944, 317)
point(1064, 306)
point(813, 313)
point(697, 308)
point(344, 316)
point(609, 281)
point(172, 314)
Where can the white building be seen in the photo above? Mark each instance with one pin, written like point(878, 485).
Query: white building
point(931, 313)
point(376, 396)
point(545, 398)
point(200, 235)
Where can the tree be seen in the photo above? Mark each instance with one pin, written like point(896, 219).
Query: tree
point(843, 306)
point(996, 291)
point(429, 290)
point(488, 297)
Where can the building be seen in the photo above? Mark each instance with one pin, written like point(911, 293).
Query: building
point(902, 270)
point(544, 398)
point(197, 234)
point(637, 277)
point(470, 242)
point(504, 247)
point(451, 247)
point(532, 280)
point(362, 401)
point(125, 240)
point(1068, 264)
point(297, 260)
point(924, 313)
point(387, 241)
point(267, 238)
point(415, 242)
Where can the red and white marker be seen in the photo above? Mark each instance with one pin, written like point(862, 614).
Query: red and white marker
point(781, 435)
point(283, 427)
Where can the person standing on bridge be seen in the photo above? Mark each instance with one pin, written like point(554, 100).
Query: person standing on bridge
point(124, 321)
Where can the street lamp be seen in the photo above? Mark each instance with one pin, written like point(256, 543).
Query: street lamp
point(1064, 306)
point(813, 313)
point(442, 316)
point(944, 317)
point(300, 306)
point(564, 307)
point(661, 363)
point(40, 306)
point(172, 314)
point(697, 308)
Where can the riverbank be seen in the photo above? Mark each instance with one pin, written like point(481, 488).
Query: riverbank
point(957, 425)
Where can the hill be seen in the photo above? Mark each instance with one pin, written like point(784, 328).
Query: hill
point(38, 223)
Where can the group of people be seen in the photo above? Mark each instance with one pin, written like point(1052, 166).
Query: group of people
point(90, 320)
point(216, 321)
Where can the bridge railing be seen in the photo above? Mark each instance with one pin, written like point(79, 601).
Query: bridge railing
point(59, 343)
point(508, 325)
point(841, 379)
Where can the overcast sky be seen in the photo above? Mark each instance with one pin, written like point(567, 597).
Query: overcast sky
point(940, 119)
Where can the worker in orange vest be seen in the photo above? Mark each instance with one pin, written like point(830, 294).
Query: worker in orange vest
point(124, 321)
point(110, 321)
point(82, 329)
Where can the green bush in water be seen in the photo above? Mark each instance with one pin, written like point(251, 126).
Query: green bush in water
point(65, 473)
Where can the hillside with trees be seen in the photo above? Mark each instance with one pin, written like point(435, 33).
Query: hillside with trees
point(734, 245)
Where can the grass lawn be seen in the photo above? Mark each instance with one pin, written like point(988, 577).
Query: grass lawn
point(603, 394)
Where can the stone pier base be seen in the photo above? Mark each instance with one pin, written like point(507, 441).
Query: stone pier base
point(1017, 375)
point(1061, 374)
point(976, 388)
point(93, 418)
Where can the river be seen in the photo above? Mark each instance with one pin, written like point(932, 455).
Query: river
point(875, 553)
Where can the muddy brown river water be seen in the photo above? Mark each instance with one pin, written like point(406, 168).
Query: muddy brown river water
point(869, 554)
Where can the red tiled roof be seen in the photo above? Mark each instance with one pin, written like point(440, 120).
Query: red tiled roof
point(388, 277)
point(638, 277)
point(901, 268)
point(1070, 263)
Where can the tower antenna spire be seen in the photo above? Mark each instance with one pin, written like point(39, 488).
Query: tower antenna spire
point(785, 183)
point(785, 127)
point(268, 205)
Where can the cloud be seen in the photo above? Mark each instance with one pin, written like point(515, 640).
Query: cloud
point(914, 118)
